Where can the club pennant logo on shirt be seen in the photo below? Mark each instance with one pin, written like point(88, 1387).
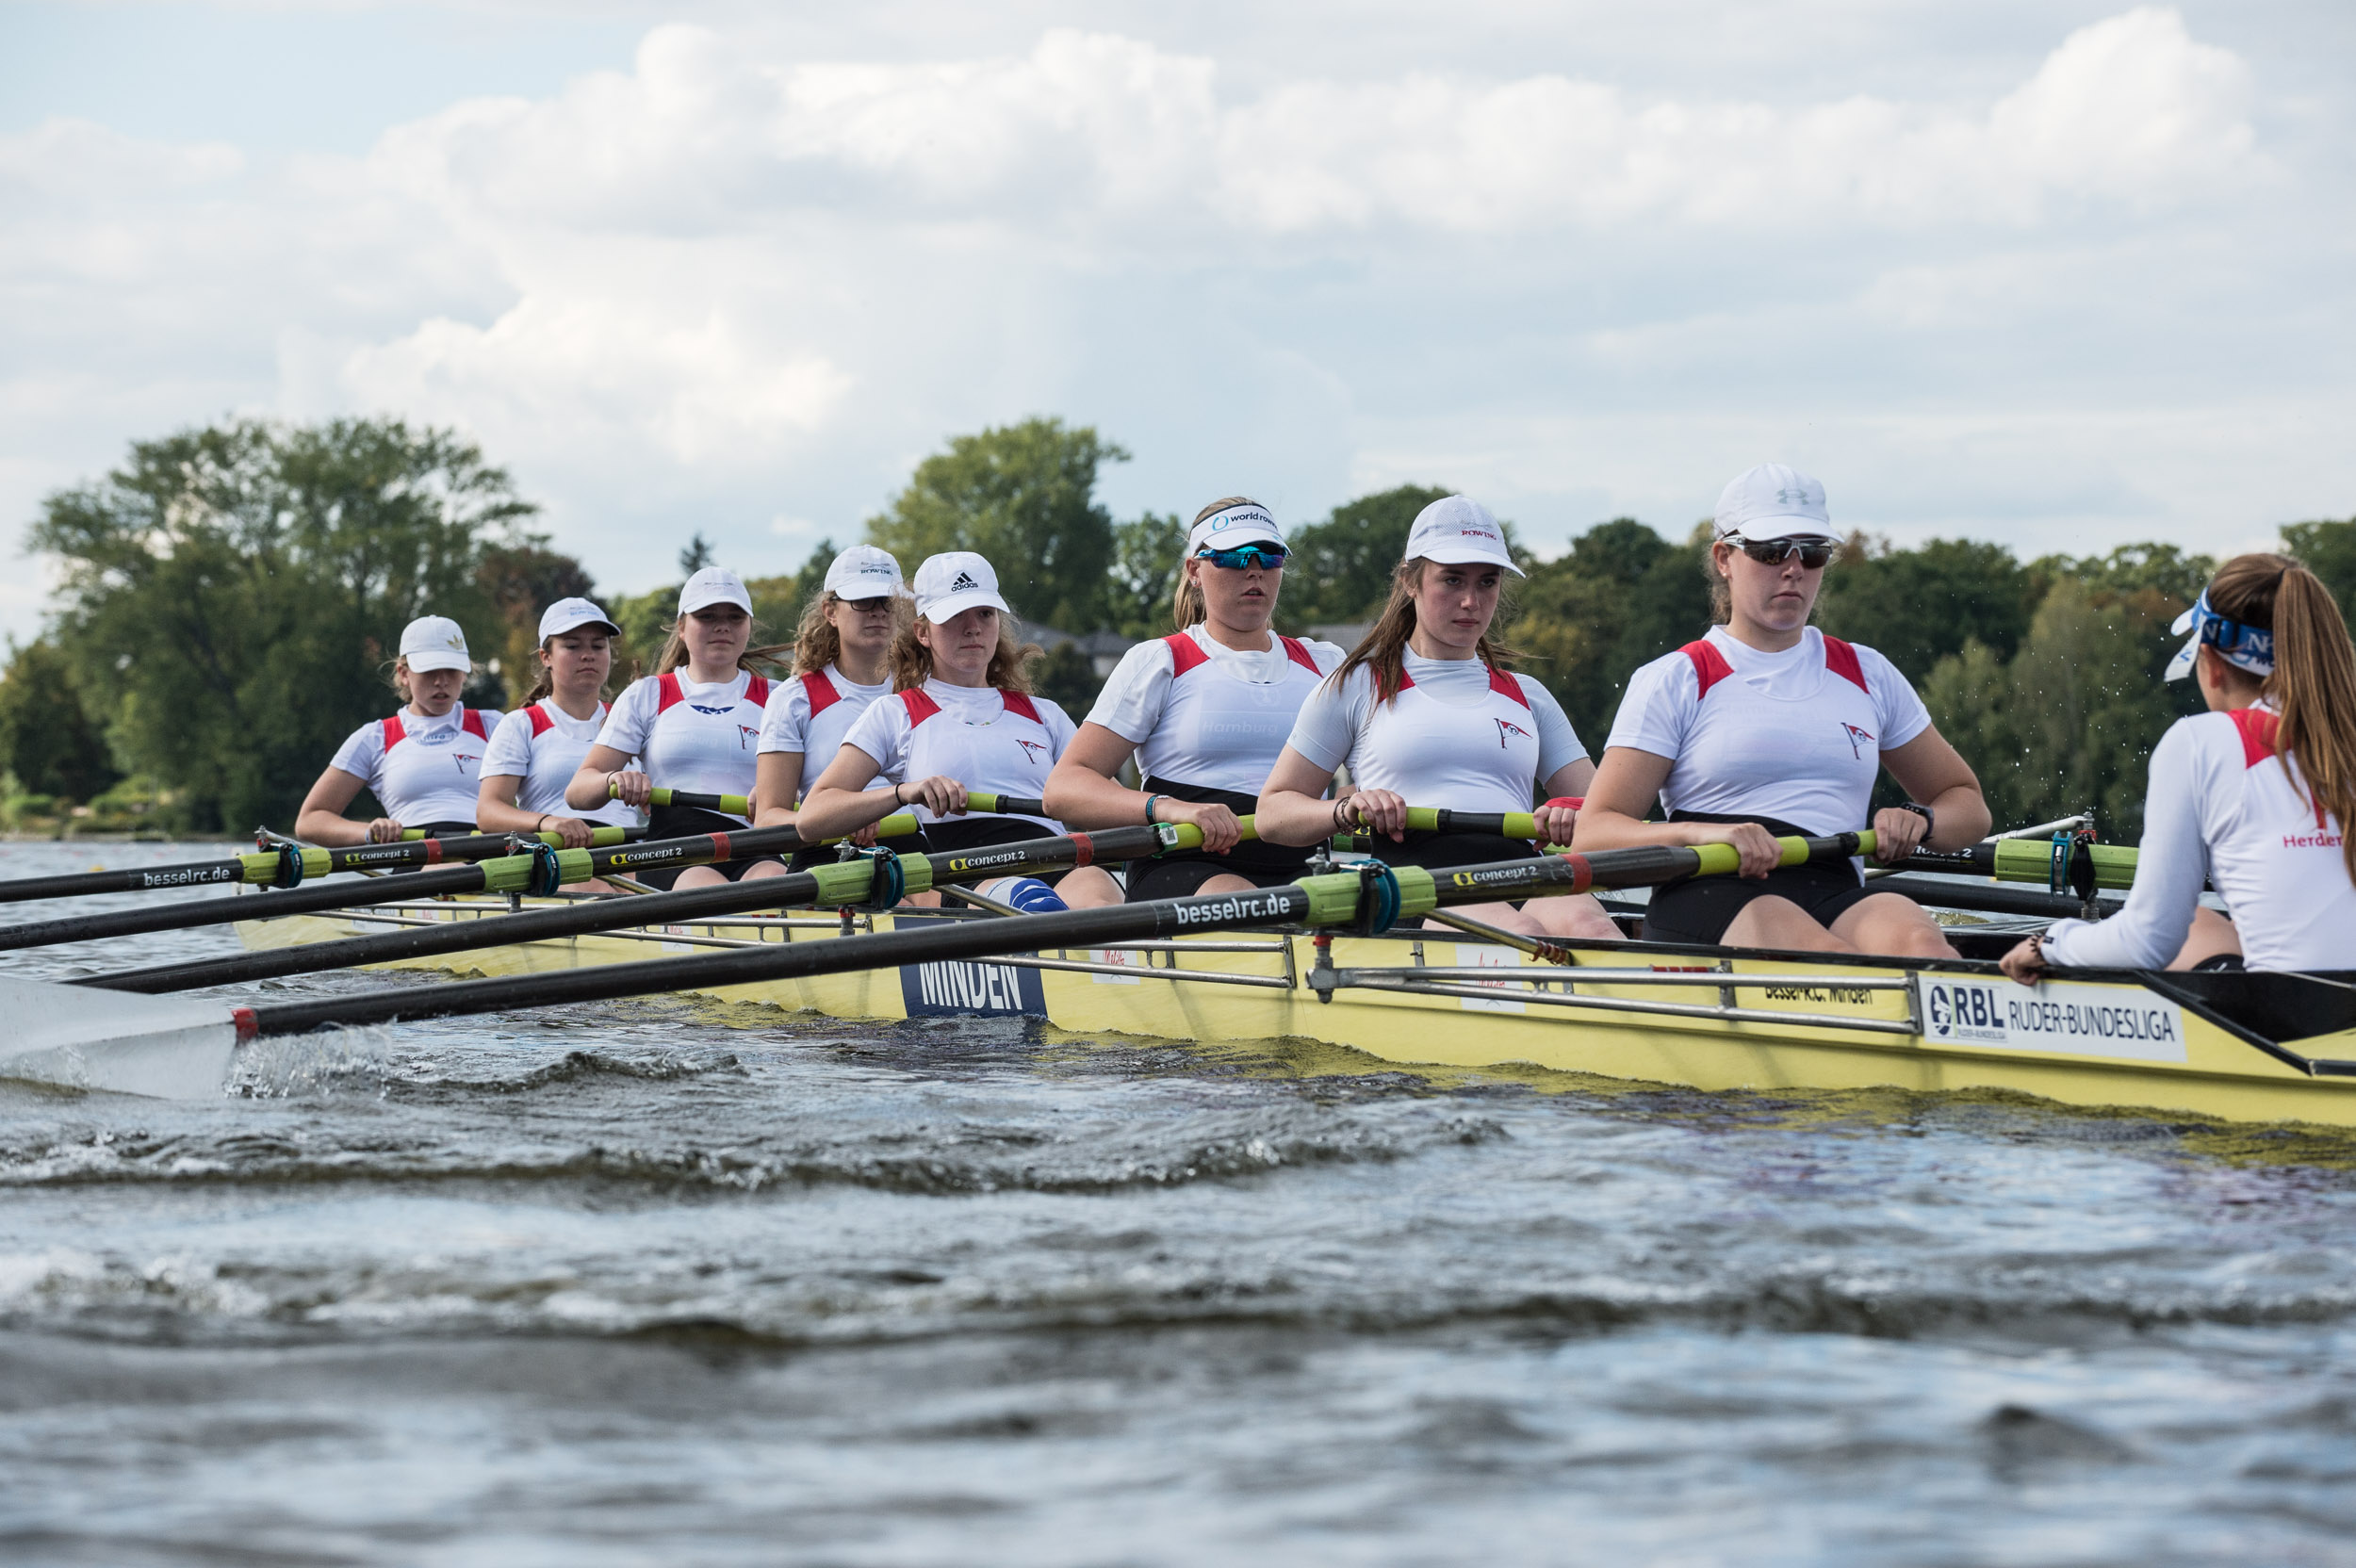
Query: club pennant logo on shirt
point(1506, 731)
point(1030, 746)
point(1857, 738)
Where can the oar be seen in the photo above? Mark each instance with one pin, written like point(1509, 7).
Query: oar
point(541, 871)
point(734, 805)
point(876, 880)
point(1993, 900)
point(1371, 899)
point(2024, 860)
point(290, 865)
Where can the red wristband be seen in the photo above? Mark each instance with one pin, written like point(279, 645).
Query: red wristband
point(1573, 803)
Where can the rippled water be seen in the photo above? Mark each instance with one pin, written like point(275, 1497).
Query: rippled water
point(667, 1282)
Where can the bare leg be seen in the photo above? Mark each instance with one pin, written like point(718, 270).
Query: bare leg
point(1224, 883)
point(2212, 934)
point(697, 876)
point(1577, 915)
point(1089, 887)
point(1773, 922)
point(766, 869)
point(1895, 924)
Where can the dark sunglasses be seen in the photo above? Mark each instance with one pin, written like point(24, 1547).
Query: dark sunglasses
point(1269, 557)
point(867, 606)
point(1774, 552)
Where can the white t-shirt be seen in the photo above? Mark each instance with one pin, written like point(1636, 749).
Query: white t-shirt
point(1459, 735)
point(691, 736)
point(1796, 735)
point(1203, 713)
point(810, 714)
point(543, 745)
point(422, 770)
point(985, 739)
point(2222, 808)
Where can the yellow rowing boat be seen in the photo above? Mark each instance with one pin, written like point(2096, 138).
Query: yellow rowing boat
point(2227, 1046)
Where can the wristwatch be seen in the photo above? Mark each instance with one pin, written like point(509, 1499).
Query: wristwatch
point(1930, 821)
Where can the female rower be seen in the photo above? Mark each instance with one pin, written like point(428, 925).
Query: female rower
point(842, 663)
point(1767, 726)
point(422, 763)
point(1205, 712)
point(1425, 712)
point(962, 718)
point(691, 726)
point(2254, 796)
point(537, 749)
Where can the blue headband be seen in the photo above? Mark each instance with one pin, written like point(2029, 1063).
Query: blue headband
point(2248, 647)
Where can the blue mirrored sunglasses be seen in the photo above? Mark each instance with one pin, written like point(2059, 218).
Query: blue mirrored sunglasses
point(1269, 557)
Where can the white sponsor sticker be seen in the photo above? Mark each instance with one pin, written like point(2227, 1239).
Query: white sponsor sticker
point(2120, 1021)
point(1482, 955)
point(1119, 958)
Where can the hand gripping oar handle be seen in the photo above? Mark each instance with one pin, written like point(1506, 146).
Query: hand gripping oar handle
point(288, 866)
point(863, 881)
point(1372, 898)
point(512, 874)
point(734, 805)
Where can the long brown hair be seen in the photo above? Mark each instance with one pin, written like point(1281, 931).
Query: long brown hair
point(818, 643)
point(674, 654)
point(546, 685)
point(2313, 683)
point(1384, 645)
point(1185, 600)
point(1009, 667)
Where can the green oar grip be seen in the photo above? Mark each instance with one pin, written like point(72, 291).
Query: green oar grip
point(2032, 860)
point(599, 837)
point(261, 870)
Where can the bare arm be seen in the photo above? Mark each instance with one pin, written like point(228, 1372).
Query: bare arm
point(1292, 809)
point(1556, 824)
point(606, 775)
point(322, 821)
point(496, 812)
point(1624, 790)
point(1082, 791)
point(777, 786)
point(840, 802)
point(1934, 774)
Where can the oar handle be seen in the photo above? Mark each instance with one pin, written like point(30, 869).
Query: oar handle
point(598, 838)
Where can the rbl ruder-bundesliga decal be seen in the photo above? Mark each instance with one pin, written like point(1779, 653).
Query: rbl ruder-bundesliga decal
point(2120, 1021)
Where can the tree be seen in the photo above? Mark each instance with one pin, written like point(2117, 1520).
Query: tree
point(2329, 551)
point(232, 596)
point(695, 556)
point(1622, 596)
point(1145, 557)
point(1024, 497)
point(521, 581)
point(1919, 606)
point(1340, 569)
point(49, 743)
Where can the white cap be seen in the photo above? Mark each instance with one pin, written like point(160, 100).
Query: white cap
point(1231, 527)
point(864, 572)
point(1772, 501)
point(953, 582)
point(1457, 531)
point(711, 586)
point(571, 615)
point(435, 643)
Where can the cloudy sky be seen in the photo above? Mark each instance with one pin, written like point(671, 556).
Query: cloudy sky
point(2060, 275)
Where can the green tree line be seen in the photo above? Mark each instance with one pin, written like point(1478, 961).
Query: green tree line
point(229, 598)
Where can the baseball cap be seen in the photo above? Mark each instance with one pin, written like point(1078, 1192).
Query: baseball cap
point(711, 586)
point(1772, 501)
point(1231, 527)
point(435, 643)
point(571, 615)
point(864, 572)
point(953, 582)
point(1457, 531)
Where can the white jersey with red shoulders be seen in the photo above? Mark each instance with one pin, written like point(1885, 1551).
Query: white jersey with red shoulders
point(810, 713)
point(2222, 808)
point(421, 769)
point(542, 746)
point(1459, 735)
point(986, 739)
point(690, 736)
point(1796, 735)
point(1205, 714)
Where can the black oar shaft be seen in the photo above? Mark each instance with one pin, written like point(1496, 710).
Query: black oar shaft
point(1991, 898)
point(932, 943)
point(257, 867)
point(589, 918)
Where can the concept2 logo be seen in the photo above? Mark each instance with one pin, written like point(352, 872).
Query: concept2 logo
point(1507, 729)
point(1857, 739)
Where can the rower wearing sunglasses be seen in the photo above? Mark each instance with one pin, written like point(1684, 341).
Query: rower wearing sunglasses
point(842, 663)
point(1204, 711)
point(1766, 726)
point(1424, 712)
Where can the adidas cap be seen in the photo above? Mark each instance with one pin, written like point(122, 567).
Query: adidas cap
point(949, 584)
point(711, 586)
point(571, 615)
point(864, 572)
point(435, 643)
point(1457, 531)
point(1772, 501)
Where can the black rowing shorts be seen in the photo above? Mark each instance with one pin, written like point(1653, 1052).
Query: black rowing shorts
point(1699, 908)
